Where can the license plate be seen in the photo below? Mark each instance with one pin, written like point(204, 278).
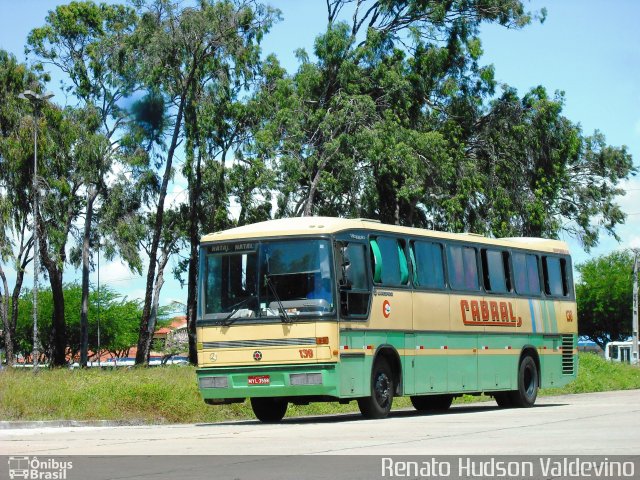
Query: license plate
point(259, 380)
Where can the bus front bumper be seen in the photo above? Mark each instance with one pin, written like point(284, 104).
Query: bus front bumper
point(223, 384)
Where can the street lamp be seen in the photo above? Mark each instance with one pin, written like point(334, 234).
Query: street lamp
point(36, 100)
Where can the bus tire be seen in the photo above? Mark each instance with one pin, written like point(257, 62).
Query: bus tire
point(269, 409)
point(434, 403)
point(528, 381)
point(503, 399)
point(378, 404)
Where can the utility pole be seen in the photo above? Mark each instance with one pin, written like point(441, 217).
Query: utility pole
point(99, 304)
point(36, 100)
point(634, 334)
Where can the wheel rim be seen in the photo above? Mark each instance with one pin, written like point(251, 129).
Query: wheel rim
point(382, 389)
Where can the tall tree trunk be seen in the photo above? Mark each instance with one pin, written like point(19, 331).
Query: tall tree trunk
point(55, 271)
point(157, 287)
point(58, 326)
point(313, 188)
point(4, 314)
point(192, 301)
point(22, 260)
point(144, 336)
point(86, 246)
point(195, 189)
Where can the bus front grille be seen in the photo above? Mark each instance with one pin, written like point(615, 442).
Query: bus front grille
point(272, 342)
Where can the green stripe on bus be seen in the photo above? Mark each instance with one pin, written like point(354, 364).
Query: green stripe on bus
point(553, 324)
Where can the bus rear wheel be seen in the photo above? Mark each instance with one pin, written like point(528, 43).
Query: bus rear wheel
point(378, 404)
point(434, 403)
point(269, 409)
point(528, 381)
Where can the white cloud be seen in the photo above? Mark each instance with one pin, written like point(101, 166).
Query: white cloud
point(630, 201)
point(115, 272)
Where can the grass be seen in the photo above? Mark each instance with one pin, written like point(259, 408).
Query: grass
point(598, 375)
point(170, 394)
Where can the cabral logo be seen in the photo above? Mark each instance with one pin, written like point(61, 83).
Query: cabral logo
point(257, 355)
point(386, 308)
point(32, 468)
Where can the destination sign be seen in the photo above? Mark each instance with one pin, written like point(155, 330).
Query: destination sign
point(232, 247)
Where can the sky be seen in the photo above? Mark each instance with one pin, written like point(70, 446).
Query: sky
point(588, 49)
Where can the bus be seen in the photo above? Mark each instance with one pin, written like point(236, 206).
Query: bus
point(311, 309)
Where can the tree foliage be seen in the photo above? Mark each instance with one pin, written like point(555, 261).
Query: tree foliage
point(183, 51)
point(604, 295)
point(118, 319)
point(393, 115)
point(16, 174)
point(542, 176)
point(397, 120)
point(85, 41)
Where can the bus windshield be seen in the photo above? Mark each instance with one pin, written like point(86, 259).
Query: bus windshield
point(271, 279)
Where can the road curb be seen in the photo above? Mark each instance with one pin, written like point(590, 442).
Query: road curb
point(70, 423)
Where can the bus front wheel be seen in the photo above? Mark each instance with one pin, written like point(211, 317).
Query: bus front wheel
point(434, 403)
point(378, 404)
point(528, 381)
point(269, 409)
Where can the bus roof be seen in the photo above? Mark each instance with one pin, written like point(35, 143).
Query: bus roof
point(314, 226)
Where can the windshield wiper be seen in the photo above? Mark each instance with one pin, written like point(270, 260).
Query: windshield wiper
point(284, 316)
point(226, 321)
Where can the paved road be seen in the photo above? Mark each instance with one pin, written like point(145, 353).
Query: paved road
point(597, 423)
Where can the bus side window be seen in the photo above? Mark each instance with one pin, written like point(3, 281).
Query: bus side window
point(526, 274)
point(555, 278)
point(428, 268)
point(390, 266)
point(463, 268)
point(495, 266)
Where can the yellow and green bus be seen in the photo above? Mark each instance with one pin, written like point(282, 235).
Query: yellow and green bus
point(310, 309)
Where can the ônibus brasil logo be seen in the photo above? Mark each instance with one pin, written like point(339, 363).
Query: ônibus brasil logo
point(33, 468)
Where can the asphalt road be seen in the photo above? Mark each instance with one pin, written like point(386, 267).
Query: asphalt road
point(587, 424)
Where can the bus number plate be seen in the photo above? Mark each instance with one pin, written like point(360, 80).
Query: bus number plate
point(259, 380)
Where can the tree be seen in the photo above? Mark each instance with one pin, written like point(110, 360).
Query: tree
point(16, 174)
point(398, 120)
point(85, 41)
point(59, 209)
point(373, 127)
point(181, 49)
point(65, 143)
point(604, 295)
point(175, 343)
point(542, 176)
point(219, 116)
point(119, 318)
